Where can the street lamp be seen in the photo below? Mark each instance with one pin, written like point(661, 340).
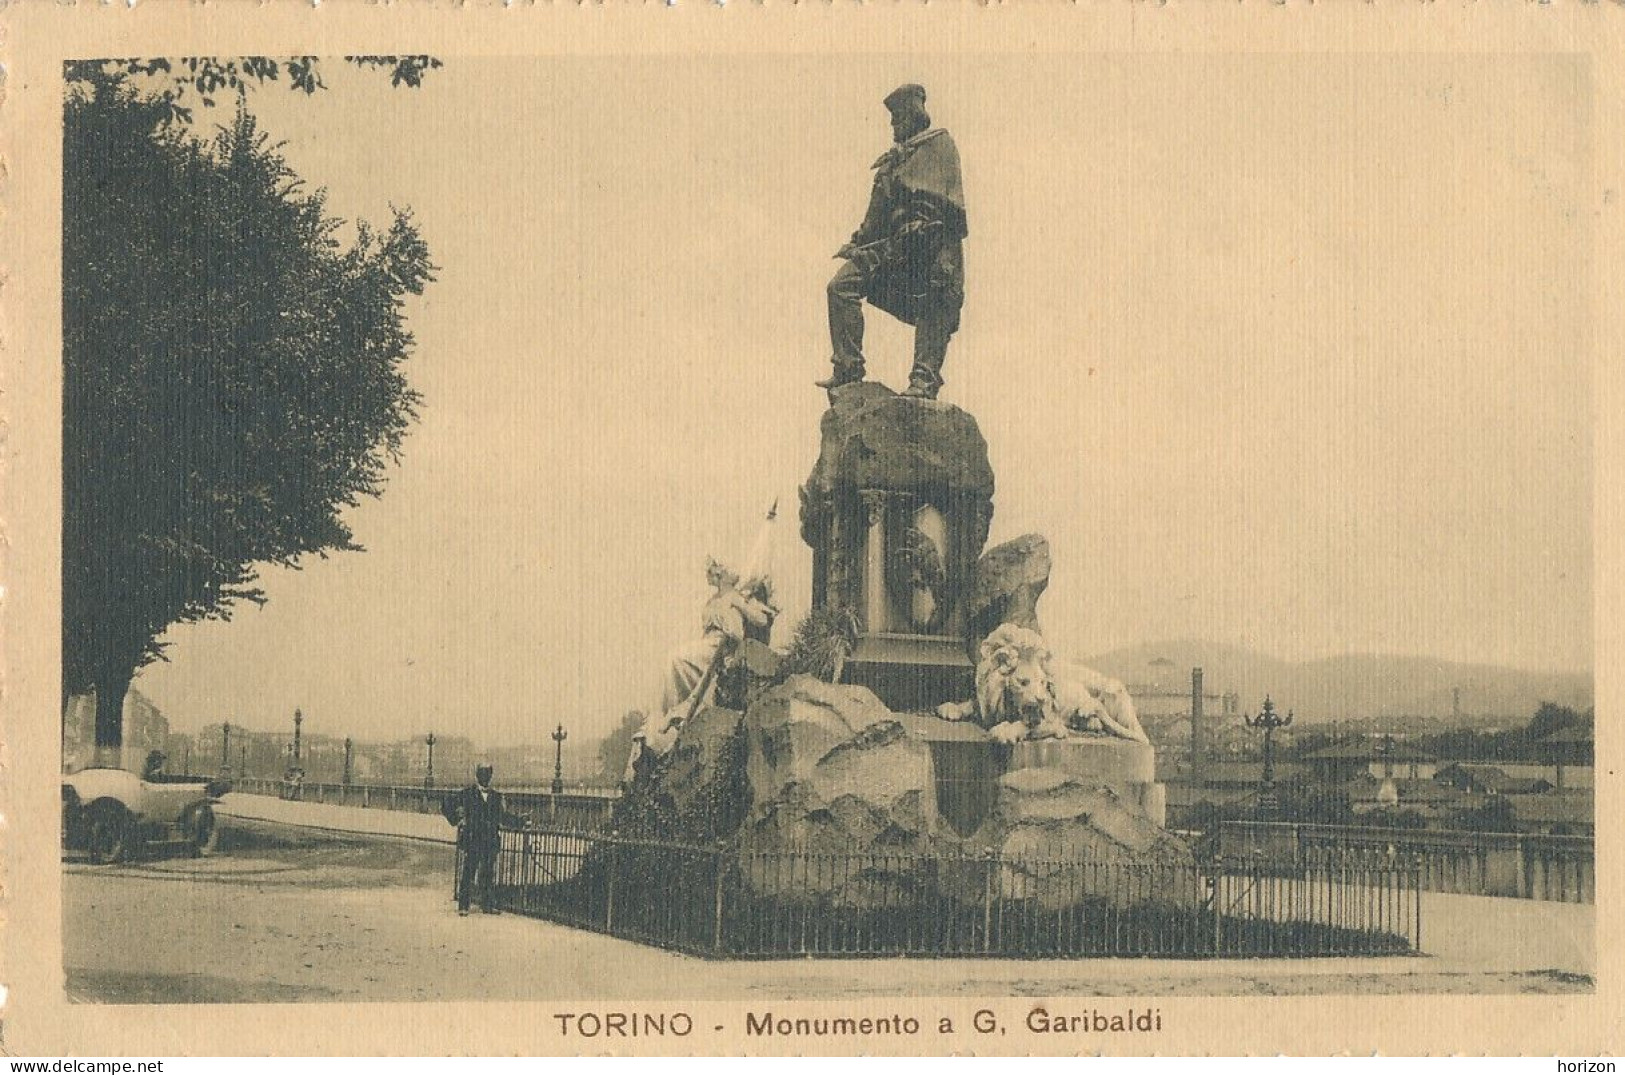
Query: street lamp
point(225, 748)
point(298, 719)
point(349, 753)
point(1269, 720)
point(559, 736)
point(428, 779)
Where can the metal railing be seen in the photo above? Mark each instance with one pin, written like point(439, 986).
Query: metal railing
point(571, 810)
point(1522, 865)
point(739, 902)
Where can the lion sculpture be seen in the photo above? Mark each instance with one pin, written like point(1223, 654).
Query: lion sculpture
point(1022, 692)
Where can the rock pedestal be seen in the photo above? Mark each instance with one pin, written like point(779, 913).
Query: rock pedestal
point(831, 768)
point(833, 772)
point(896, 511)
point(1064, 839)
point(1005, 587)
point(1127, 768)
point(860, 793)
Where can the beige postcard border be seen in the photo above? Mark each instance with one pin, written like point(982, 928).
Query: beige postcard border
point(37, 1021)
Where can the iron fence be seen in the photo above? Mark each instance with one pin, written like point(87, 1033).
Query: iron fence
point(739, 902)
point(1521, 865)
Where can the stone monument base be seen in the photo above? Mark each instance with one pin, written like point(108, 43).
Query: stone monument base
point(913, 673)
point(820, 768)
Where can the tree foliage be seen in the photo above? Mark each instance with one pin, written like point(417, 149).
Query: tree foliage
point(232, 373)
point(822, 641)
point(1512, 745)
point(174, 82)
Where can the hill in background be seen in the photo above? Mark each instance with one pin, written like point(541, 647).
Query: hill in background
point(1353, 687)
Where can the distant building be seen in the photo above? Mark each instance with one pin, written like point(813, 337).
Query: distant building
point(1382, 759)
point(1418, 795)
point(1490, 780)
point(1185, 721)
point(1163, 690)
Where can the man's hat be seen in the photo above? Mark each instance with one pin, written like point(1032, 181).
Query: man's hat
point(897, 97)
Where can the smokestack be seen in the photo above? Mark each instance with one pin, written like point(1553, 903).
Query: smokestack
point(1196, 724)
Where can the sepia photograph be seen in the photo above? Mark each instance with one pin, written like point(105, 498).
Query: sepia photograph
point(789, 528)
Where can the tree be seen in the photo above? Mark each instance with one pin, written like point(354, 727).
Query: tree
point(1495, 814)
point(1514, 744)
point(232, 374)
point(175, 83)
point(1551, 718)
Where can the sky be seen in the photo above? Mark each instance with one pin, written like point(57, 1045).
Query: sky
point(1281, 352)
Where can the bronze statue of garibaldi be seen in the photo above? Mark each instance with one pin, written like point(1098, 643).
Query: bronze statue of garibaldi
point(906, 258)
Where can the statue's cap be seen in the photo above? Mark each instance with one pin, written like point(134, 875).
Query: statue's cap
point(909, 90)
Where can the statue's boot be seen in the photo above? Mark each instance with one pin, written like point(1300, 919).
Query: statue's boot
point(842, 375)
point(930, 349)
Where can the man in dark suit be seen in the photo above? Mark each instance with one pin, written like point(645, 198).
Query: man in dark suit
point(479, 816)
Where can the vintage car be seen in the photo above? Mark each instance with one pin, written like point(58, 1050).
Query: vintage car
point(114, 814)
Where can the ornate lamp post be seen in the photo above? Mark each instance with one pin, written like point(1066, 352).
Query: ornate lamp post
point(559, 736)
point(298, 719)
point(428, 779)
point(349, 756)
point(225, 747)
point(1269, 720)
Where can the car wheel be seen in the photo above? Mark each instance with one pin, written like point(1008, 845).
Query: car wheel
point(73, 821)
point(109, 833)
point(204, 832)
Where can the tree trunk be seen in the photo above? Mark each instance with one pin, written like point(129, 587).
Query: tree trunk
point(62, 715)
point(111, 687)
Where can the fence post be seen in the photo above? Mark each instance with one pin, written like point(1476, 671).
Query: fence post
point(989, 857)
point(716, 923)
point(1417, 888)
point(614, 849)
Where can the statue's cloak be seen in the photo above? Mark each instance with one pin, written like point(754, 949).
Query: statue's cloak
point(927, 166)
point(918, 180)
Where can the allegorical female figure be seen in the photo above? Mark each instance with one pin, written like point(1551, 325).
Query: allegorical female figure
point(723, 624)
point(731, 614)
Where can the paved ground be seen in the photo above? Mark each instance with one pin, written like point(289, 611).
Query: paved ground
point(291, 912)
